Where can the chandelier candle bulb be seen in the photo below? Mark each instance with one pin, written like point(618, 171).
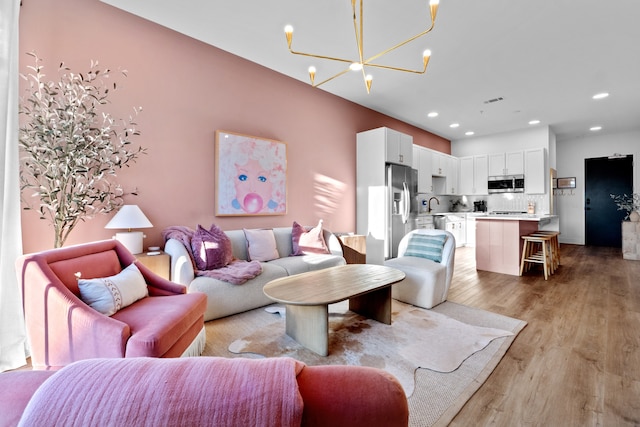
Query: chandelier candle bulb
point(426, 55)
point(433, 6)
point(288, 31)
point(312, 74)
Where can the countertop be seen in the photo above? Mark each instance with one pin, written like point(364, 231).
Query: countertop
point(523, 217)
point(489, 215)
point(424, 214)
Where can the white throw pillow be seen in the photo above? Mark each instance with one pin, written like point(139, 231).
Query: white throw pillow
point(110, 294)
point(261, 245)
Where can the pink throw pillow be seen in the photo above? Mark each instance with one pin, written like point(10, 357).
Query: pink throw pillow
point(211, 248)
point(261, 245)
point(308, 241)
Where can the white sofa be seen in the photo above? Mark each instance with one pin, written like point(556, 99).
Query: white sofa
point(223, 298)
point(427, 282)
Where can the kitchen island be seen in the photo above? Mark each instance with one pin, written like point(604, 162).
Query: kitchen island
point(499, 243)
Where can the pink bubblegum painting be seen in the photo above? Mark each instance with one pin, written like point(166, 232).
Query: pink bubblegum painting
point(251, 175)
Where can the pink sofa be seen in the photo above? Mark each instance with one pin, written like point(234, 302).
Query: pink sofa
point(63, 329)
point(202, 391)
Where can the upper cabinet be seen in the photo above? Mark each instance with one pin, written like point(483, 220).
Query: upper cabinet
point(422, 163)
point(535, 174)
point(473, 175)
point(506, 163)
point(440, 164)
point(481, 174)
point(446, 184)
point(452, 175)
point(399, 147)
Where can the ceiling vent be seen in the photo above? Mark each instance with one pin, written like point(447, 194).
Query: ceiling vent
point(491, 101)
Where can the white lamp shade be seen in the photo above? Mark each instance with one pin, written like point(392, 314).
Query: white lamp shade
point(128, 217)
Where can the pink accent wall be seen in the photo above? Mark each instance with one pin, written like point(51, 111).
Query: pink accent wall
point(188, 90)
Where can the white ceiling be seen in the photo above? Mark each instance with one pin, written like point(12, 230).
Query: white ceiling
point(546, 59)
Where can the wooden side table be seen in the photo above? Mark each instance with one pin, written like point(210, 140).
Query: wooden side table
point(160, 264)
point(354, 248)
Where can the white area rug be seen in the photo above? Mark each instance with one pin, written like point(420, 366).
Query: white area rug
point(438, 340)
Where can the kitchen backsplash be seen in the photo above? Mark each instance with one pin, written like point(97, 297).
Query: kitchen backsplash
point(495, 202)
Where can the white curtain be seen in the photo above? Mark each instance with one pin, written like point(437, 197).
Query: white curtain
point(12, 330)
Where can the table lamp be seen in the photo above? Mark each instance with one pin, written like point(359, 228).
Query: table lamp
point(129, 217)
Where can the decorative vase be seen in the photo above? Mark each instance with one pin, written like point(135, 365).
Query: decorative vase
point(634, 216)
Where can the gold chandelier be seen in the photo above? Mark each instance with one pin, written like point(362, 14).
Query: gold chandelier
point(361, 63)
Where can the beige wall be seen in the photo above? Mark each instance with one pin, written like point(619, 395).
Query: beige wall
point(188, 90)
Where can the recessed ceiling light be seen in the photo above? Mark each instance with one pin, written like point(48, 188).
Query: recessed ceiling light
point(433, 114)
point(600, 95)
point(534, 122)
point(595, 128)
point(454, 125)
point(469, 133)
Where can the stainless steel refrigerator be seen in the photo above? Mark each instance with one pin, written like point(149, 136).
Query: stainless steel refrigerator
point(402, 205)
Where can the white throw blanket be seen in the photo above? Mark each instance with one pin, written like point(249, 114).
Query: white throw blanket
point(202, 391)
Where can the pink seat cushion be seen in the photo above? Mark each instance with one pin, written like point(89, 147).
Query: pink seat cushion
point(157, 323)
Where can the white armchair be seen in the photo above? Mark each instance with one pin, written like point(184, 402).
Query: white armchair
point(427, 282)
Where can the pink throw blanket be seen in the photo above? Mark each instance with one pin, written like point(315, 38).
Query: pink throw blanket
point(237, 272)
point(198, 391)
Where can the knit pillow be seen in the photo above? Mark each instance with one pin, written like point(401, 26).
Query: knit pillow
point(427, 246)
point(211, 248)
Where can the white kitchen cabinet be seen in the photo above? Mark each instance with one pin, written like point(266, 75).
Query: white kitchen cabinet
point(535, 174)
point(452, 175)
point(466, 184)
point(422, 163)
point(457, 228)
point(480, 174)
point(425, 221)
point(511, 163)
point(447, 184)
point(514, 163)
point(440, 163)
point(399, 147)
point(473, 175)
point(470, 229)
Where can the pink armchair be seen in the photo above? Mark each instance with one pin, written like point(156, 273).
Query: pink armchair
point(63, 329)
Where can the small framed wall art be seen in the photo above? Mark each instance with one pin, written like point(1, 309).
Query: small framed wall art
point(251, 175)
point(566, 183)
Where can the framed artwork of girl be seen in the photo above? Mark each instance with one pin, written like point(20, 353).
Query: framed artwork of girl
point(251, 175)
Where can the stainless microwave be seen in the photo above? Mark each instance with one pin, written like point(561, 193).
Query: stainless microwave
point(506, 184)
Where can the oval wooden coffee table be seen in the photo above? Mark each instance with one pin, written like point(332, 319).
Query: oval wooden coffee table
point(307, 297)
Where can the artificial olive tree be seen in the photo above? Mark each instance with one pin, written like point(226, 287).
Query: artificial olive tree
point(71, 148)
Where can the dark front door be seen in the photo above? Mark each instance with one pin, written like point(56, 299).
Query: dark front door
point(603, 177)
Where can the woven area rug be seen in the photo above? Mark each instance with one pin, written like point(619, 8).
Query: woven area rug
point(456, 348)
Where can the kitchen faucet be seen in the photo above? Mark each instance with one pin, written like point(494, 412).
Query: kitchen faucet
point(429, 204)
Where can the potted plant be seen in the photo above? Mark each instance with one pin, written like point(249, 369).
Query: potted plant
point(631, 204)
point(70, 148)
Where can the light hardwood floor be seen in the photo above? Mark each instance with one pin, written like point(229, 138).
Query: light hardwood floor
point(577, 362)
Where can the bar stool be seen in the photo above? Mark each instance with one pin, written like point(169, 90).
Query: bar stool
point(537, 250)
point(555, 245)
